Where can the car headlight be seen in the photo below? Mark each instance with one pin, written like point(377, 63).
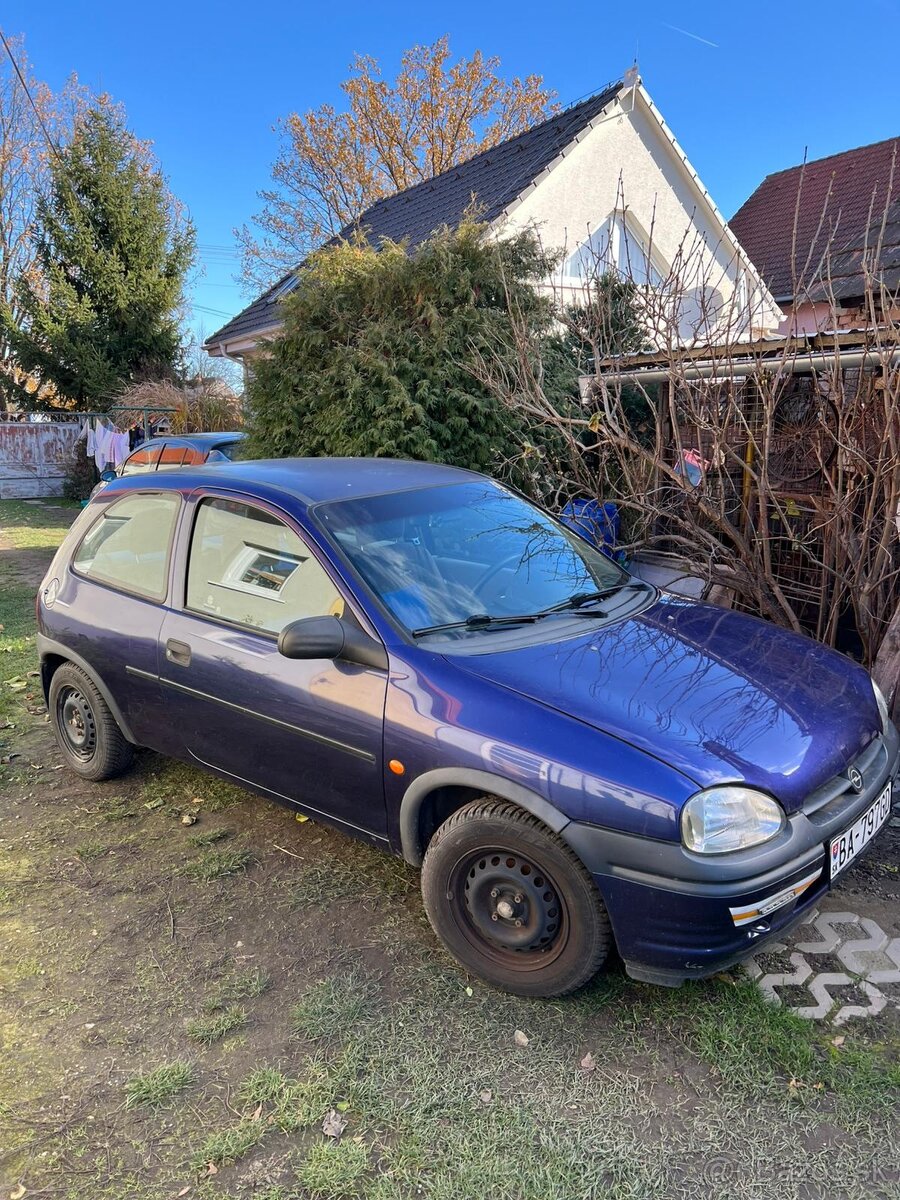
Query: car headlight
point(723, 819)
point(882, 706)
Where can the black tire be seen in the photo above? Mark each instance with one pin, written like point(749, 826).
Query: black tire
point(491, 865)
point(86, 731)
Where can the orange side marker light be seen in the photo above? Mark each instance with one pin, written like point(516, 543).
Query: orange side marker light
point(396, 766)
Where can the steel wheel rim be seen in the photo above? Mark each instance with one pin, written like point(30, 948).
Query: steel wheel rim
point(509, 909)
point(75, 719)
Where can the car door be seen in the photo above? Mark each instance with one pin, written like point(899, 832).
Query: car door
point(107, 609)
point(309, 732)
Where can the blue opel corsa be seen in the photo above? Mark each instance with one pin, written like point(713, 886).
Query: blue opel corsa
point(422, 658)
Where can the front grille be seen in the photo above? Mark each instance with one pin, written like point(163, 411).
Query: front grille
point(821, 804)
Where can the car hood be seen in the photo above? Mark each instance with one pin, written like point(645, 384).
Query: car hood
point(718, 695)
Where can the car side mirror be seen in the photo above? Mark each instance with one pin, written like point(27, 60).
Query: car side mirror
point(331, 637)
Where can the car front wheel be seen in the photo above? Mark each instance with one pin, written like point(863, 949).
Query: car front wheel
point(512, 902)
point(85, 728)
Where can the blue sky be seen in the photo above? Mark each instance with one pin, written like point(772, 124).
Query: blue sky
point(746, 91)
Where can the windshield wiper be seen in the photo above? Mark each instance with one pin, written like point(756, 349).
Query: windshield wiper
point(577, 602)
point(573, 606)
point(478, 621)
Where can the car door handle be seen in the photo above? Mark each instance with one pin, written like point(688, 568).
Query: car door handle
point(178, 652)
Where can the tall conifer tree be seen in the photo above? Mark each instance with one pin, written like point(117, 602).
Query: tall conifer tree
point(101, 308)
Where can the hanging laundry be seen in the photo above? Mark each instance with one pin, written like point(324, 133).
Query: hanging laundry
point(87, 432)
point(103, 445)
point(120, 447)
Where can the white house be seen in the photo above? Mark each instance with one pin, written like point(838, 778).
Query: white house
point(603, 181)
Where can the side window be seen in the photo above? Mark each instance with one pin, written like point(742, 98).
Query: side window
point(141, 461)
point(172, 456)
point(129, 545)
point(246, 566)
point(193, 457)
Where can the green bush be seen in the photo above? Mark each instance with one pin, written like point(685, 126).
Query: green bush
point(379, 351)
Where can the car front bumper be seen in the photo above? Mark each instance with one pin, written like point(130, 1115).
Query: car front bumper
point(678, 915)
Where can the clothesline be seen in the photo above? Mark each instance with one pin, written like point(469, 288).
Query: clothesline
point(106, 444)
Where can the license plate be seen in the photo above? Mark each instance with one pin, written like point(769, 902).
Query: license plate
point(846, 846)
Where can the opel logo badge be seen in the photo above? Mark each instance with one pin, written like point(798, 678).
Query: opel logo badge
point(856, 779)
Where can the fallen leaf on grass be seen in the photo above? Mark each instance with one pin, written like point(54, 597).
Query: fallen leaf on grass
point(17, 1193)
point(189, 819)
point(257, 1113)
point(184, 1191)
point(838, 1041)
point(301, 817)
point(212, 1169)
point(197, 800)
point(588, 1063)
point(17, 684)
point(342, 1105)
point(334, 1124)
point(486, 1096)
point(469, 992)
point(521, 1039)
point(151, 804)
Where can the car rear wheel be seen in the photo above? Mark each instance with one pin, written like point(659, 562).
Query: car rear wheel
point(512, 902)
point(86, 731)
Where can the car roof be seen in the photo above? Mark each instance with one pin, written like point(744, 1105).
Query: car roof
point(194, 439)
point(310, 480)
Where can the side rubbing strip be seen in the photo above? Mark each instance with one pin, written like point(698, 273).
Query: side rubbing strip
point(322, 740)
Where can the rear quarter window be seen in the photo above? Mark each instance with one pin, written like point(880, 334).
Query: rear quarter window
point(142, 460)
point(129, 545)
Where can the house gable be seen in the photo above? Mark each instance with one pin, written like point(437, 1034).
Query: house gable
point(627, 170)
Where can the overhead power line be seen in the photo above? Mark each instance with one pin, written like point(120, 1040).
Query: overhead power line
point(25, 88)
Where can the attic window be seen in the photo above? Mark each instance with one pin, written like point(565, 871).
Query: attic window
point(618, 245)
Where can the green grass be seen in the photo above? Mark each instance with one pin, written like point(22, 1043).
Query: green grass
point(27, 527)
point(214, 1026)
point(352, 871)
point(210, 837)
point(244, 985)
point(178, 785)
point(37, 527)
point(228, 1145)
point(333, 1171)
point(92, 849)
point(333, 1007)
point(752, 1044)
point(159, 1085)
point(217, 864)
point(17, 654)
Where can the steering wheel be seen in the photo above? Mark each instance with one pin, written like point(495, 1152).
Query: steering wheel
point(495, 569)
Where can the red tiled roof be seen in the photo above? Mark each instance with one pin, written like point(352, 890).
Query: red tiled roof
point(838, 205)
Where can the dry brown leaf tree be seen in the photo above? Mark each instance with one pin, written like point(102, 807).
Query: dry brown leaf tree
point(333, 164)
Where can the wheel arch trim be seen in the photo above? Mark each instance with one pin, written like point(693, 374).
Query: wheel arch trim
point(47, 647)
point(482, 781)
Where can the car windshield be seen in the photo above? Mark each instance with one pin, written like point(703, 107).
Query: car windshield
point(445, 555)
